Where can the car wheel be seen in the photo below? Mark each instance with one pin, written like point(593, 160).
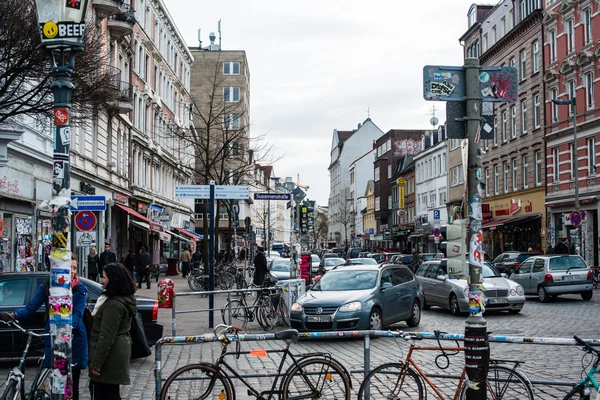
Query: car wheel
point(375, 320)
point(415, 315)
point(587, 295)
point(543, 295)
point(454, 307)
point(518, 310)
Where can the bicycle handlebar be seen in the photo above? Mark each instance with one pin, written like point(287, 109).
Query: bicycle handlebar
point(586, 346)
point(15, 324)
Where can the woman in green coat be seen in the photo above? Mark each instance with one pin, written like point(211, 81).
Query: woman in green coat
point(110, 343)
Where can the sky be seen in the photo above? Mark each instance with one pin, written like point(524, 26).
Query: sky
point(316, 66)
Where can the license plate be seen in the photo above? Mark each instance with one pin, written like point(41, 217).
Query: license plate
point(570, 278)
point(498, 301)
point(320, 318)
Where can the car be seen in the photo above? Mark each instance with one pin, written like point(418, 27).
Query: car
point(444, 291)
point(508, 261)
point(551, 275)
point(364, 254)
point(353, 252)
point(331, 255)
point(404, 259)
point(360, 297)
point(329, 263)
point(360, 261)
point(315, 261)
point(12, 343)
point(376, 256)
point(280, 268)
point(387, 257)
point(340, 251)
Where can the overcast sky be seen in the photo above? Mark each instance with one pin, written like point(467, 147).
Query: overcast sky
point(316, 66)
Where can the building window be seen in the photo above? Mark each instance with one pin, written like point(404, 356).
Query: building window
point(432, 200)
point(494, 38)
point(485, 42)
point(514, 174)
point(495, 141)
point(589, 90)
point(456, 176)
point(231, 122)
point(495, 179)
point(537, 108)
point(524, 117)
point(443, 197)
point(538, 168)
point(377, 203)
point(513, 121)
point(571, 91)
point(525, 164)
point(523, 64)
point(505, 181)
point(472, 16)
point(570, 31)
point(502, 26)
point(535, 56)
point(591, 143)
point(376, 174)
point(511, 62)
point(389, 171)
point(554, 96)
point(572, 160)
point(504, 127)
point(552, 45)
point(555, 165)
point(587, 25)
point(231, 94)
point(487, 181)
point(231, 68)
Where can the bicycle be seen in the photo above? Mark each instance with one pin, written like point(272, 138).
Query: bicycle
point(503, 383)
point(197, 281)
point(595, 276)
point(14, 387)
point(311, 375)
point(241, 313)
point(583, 389)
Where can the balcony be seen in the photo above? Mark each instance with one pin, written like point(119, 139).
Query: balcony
point(125, 101)
point(107, 8)
point(121, 24)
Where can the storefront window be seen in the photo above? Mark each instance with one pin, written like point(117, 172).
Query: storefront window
point(23, 244)
point(5, 242)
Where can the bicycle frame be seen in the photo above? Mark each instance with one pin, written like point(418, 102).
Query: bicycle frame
point(590, 379)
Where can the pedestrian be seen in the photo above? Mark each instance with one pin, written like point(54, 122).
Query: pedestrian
point(538, 249)
point(93, 261)
point(242, 254)
point(106, 257)
point(79, 343)
point(562, 247)
point(185, 259)
point(110, 343)
point(260, 267)
point(129, 262)
point(142, 265)
point(197, 258)
point(415, 261)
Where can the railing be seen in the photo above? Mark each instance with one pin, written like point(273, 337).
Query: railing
point(125, 91)
point(127, 14)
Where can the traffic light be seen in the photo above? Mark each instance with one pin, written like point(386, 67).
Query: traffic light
point(456, 247)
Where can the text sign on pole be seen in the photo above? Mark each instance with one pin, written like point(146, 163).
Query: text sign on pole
point(88, 203)
point(203, 192)
point(443, 83)
point(273, 196)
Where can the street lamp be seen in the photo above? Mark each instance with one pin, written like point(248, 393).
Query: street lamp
point(62, 26)
point(573, 103)
point(276, 180)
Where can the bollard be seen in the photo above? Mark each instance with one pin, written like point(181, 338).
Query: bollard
point(367, 365)
point(229, 307)
point(173, 317)
point(157, 369)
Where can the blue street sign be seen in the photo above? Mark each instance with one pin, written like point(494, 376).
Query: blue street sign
point(576, 218)
point(273, 196)
point(88, 203)
point(436, 232)
point(444, 83)
point(436, 214)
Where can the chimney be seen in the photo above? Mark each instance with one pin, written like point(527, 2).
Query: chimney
point(374, 144)
point(359, 125)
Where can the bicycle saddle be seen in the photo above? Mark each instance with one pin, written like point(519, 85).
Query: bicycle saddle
point(287, 334)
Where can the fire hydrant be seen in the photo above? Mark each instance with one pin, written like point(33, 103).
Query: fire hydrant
point(166, 292)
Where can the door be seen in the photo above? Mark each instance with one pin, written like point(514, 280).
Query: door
point(522, 275)
point(390, 297)
point(425, 283)
point(402, 279)
point(434, 284)
point(14, 294)
point(538, 273)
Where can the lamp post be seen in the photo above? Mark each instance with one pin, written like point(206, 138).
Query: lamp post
point(274, 179)
point(62, 26)
point(575, 171)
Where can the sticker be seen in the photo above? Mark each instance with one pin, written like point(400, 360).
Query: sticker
point(61, 310)
point(65, 135)
point(61, 114)
point(484, 77)
point(474, 303)
point(60, 278)
point(76, 4)
point(50, 30)
point(58, 170)
point(440, 76)
point(442, 88)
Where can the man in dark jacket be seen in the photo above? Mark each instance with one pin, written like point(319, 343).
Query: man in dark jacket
point(106, 257)
point(130, 261)
point(562, 247)
point(197, 258)
point(143, 268)
point(260, 267)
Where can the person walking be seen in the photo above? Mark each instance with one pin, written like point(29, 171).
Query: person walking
point(143, 268)
point(79, 342)
point(110, 342)
point(185, 258)
point(562, 247)
point(93, 261)
point(129, 262)
point(416, 260)
point(260, 267)
point(106, 257)
point(197, 258)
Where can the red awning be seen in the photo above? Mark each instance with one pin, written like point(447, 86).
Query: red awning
point(131, 212)
point(509, 220)
point(191, 235)
point(571, 202)
point(178, 237)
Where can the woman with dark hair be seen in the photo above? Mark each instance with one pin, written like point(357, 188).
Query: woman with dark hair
point(110, 343)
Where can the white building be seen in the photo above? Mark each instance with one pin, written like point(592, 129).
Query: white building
point(346, 147)
point(431, 170)
point(361, 171)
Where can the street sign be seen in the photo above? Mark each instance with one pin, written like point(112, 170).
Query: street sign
point(88, 203)
point(499, 84)
point(436, 232)
point(299, 194)
point(443, 83)
point(85, 220)
point(576, 218)
point(86, 239)
point(231, 192)
point(436, 214)
point(401, 181)
point(273, 196)
point(387, 234)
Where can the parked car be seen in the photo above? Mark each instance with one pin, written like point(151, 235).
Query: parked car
point(341, 253)
point(376, 256)
point(331, 255)
point(280, 268)
point(360, 297)
point(363, 254)
point(404, 259)
point(353, 252)
point(329, 263)
point(441, 290)
point(360, 261)
point(315, 261)
point(508, 261)
point(387, 257)
point(26, 284)
point(554, 274)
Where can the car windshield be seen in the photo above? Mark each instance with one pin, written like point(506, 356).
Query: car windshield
point(332, 262)
point(564, 263)
point(489, 272)
point(376, 256)
point(280, 266)
point(362, 261)
point(315, 258)
point(346, 280)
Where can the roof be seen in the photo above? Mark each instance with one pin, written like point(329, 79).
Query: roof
point(344, 135)
point(363, 156)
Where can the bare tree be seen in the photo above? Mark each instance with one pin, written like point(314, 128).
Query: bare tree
point(26, 70)
point(321, 226)
point(345, 214)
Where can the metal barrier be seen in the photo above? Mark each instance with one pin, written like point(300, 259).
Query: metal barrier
point(366, 335)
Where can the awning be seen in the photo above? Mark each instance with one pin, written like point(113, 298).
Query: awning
point(571, 202)
point(176, 236)
point(196, 234)
point(165, 237)
point(142, 225)
point(187, 233)
point(133, 213)
point(516, 219)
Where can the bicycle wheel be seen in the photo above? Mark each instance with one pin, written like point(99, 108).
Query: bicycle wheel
point(225, 281)
point(316, 378)
point(266, 313)
point(11, 390)
point(40, 388)
point(239, 314)
point(505, 384)
point(392, 381)
point(194, 283)
point(283, 312)
point(199, 382)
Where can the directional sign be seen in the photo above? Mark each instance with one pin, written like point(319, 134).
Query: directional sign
point(298, 194)
point(273, 196)
point(88, 203)
point(576, 218)
point(85, 221)
point(86, 239)
point(203, 192)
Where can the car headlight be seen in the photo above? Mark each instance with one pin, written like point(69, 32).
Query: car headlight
point(520, 290)
point(350, 307)
point(296, 307)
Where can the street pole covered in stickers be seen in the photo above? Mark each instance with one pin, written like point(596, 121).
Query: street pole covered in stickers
point(470, 92)
point(62, 25)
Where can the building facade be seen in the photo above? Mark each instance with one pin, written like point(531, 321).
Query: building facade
point(403, 204)
point(361, 172)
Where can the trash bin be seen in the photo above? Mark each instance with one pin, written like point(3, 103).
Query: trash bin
point(166, 291)
point(172, 266)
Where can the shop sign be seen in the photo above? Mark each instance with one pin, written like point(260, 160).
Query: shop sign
point(121, 198)
point(502, 212)
point(515, 205)
point(382, 227)
point(156, 228)
point(142, 208)
point(86, 188)
point(529, 208)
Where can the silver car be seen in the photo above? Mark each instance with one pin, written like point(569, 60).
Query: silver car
point(441, 290)
point(551, 275)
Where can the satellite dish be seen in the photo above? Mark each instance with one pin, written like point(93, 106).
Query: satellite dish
point(434, 121)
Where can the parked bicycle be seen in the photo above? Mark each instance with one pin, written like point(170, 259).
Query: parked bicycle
point(311, 376)
point(14, 387)
point(406, 380)
point(197, 280)
point(241, 313)
point(595, 276)
point(583, 389)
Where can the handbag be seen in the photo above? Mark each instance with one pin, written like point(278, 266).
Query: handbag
point(139, 343)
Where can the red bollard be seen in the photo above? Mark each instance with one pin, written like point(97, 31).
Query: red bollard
point(166, 291)
point(305, 265)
